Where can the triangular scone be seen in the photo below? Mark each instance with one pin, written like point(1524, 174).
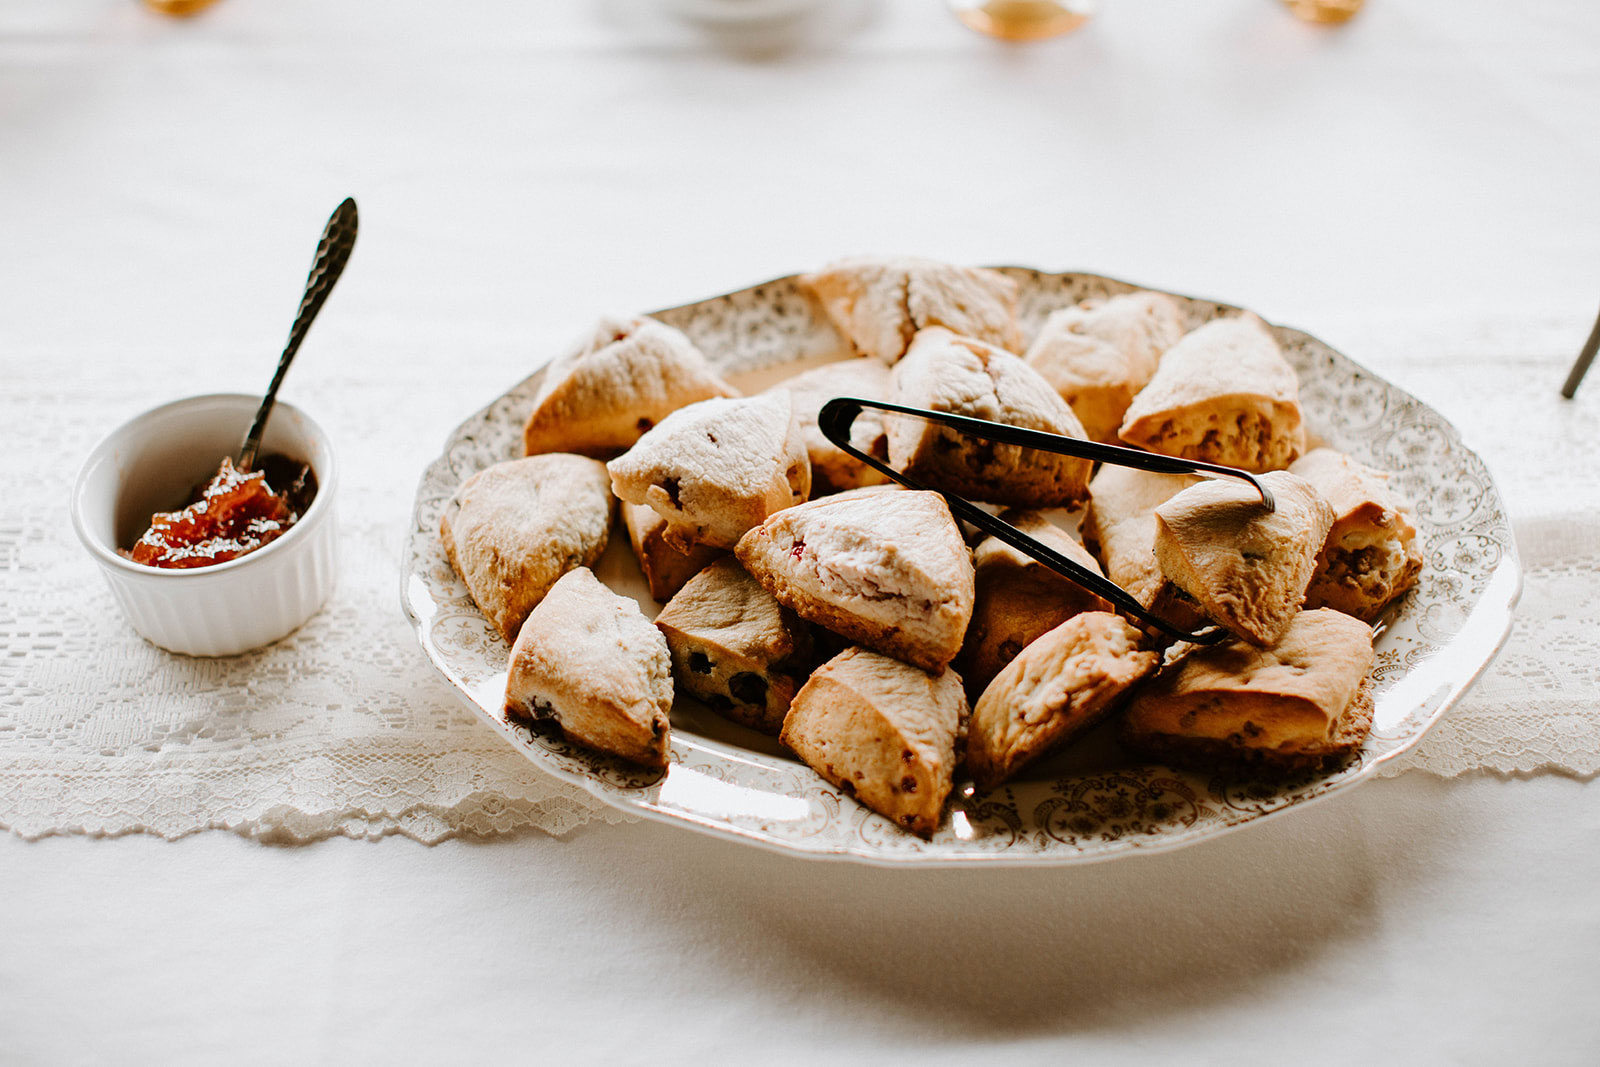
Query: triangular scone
point(833, 469)
point(881, 566)
point(1246, 567)
point(1371, 556)
point(589, 663)
point(945, 372)
point(1018, 598)
point(1119, 528)
point(880, 303)
point(1222, 394)
point(512, 529)
point(627, 376)
point(882, 731)
point(735, 648)
point(1302, 704)
point(1098, 354)
point(1062, 684)
point(715, 469)
point(666, 569)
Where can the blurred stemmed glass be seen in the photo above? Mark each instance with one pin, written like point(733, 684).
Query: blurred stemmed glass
point(1023, 20)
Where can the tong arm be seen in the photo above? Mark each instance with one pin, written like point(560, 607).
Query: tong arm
point(839, 414)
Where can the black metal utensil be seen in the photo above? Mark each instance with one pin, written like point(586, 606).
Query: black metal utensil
point(1581, 367)
point(333, 252)
point(838, 414)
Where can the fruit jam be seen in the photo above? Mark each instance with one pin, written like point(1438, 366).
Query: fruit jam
point(233, 514)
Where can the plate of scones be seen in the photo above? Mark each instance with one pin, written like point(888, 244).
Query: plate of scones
point(649, 568)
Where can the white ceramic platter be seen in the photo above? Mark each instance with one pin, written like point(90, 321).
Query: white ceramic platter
point(1087, 804)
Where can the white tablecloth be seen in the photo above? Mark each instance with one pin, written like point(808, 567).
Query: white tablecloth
point(1416, 188)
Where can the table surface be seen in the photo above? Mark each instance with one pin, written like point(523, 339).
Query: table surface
point(522, 168)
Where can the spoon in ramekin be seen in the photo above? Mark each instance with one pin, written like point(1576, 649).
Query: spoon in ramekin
point(333, 252)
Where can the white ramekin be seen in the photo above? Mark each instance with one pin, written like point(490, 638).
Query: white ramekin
point(150, 464)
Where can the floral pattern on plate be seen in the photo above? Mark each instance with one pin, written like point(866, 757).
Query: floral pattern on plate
point(1087, 804)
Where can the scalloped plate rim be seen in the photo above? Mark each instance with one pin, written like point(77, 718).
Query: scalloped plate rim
point(634, 804)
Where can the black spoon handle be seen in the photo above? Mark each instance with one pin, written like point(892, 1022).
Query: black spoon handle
point(333, 252)
point(1581, 367)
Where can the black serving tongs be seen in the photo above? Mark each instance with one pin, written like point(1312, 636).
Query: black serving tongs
point(840, 413)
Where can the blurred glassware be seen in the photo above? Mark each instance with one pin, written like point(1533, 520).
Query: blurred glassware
point(1324, 10)
point(750, 25)
point(1023, 20)
point(180, 8)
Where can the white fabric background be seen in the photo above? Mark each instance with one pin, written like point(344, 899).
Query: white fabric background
point(1416, 189)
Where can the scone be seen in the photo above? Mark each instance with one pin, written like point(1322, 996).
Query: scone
point(1371, 556)
point(833, 469)
point(880, 303)
point(1098, 354)
point(628, 375)
point(1018, 598)
point(1299, 705)
point(588, 663)
point(1222, 394)
point(665, 567)
point(1246, 567)
point(882, 731)
point(715, 469)
point(1119, 528)
point(735, 648)
point(514, 528)
point(884, 567)
point(946, 372)
point(1061, 685)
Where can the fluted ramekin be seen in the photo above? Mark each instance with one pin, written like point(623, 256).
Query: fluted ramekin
point(150, 464)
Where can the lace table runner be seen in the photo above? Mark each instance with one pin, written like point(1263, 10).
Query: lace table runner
point(343, 728)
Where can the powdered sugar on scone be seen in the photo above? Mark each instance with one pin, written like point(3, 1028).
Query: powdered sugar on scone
point(715, 469)
point(513, 528)
point(881, 566)
point(588, 663)
point(948, 373)
point(1245, 566)
point(833, 469)
point(879, 304)
point(1061, 685)
point(625, 377)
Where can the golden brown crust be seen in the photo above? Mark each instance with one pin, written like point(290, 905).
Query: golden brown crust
point(1222, 394)
point(1101, 352)
point(589, 663)
point(514, 528)
point(882, 731)
point(1246, 567)
point(1290, 706)
point(1061, 685)
point(1018, 598)
point(735, 648)
point(1227, 756)
point(1371, 556)
point(948, 373)
point(628, 375)
point(666, 568)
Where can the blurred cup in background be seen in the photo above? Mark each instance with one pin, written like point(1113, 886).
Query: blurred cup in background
point(180, 8)
point(1023, 20)
point(1324, 10)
